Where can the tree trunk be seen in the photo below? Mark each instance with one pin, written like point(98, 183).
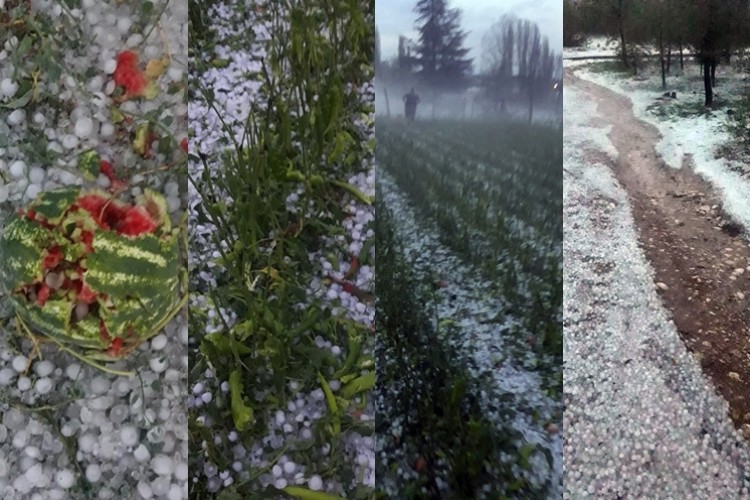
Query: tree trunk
point(661, 58)
point(707, 81)
point(623, 46)
point(682, 62)
point(663, 74)
point(621, 27)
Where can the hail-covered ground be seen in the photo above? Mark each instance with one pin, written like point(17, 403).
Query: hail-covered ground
point(641, 418)
point(69, 430)
point(468, 303)
point(464, 224)
point(291, 450)
point(688, 131)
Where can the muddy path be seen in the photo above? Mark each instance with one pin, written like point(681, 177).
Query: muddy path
point(701, 259)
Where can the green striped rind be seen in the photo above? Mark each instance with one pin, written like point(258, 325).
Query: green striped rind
point(141, 276)
point(155, 200)
point(89, 165)
point(129, 314)
point(54, 321)
point(82, 218)
point(53, 318)
point(124, 267)
point(21, 252)
point(51, 205)
point(86, 334)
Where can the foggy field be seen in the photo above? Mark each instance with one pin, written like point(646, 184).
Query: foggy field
point(497, 184)
point(469, 105)
point(469, 218)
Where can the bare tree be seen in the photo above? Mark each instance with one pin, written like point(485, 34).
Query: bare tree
point(658, 13)
point(498, 46)
point(619, 8)
point(617, 18)
point(499, 56)
point(712, 28)
point(514, 49)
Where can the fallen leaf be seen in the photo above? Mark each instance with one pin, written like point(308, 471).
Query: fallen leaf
point(155, 67)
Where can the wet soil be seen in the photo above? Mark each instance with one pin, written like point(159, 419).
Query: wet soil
point(700, 257)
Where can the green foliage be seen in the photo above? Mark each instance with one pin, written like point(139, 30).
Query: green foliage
point(679, 109)
point(486, 177)
point(739, 122)
point(198, 27)
point(494, 191)
point(300, 133)
point(573, 26)
point(443, 421)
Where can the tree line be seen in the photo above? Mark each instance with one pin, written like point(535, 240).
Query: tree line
point(711, 30)
point(515, 57)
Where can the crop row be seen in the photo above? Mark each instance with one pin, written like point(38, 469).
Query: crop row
point(515, 239)
point(519, 173)
point(485, 219)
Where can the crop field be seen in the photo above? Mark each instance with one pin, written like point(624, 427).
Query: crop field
point(469, 301)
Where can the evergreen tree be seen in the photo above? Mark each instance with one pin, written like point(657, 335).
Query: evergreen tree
point(440, 52)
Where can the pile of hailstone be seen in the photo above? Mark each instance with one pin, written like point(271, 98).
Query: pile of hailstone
point(68, 430)
point(264, 462)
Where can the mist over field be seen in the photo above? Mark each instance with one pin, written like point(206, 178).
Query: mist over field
point(486, 63)
point(468, 105)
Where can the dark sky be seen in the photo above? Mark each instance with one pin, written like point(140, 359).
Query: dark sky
point(396, 17)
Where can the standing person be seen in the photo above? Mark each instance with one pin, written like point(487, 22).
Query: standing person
point(410, 104)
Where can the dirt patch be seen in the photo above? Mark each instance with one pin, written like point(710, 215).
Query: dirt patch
point(701, 258)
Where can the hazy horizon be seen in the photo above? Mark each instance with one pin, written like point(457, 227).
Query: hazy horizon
point(397, 17)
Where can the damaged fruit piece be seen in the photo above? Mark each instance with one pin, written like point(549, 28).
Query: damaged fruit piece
point(127, 75)
point(94, 274)
point(134, 81)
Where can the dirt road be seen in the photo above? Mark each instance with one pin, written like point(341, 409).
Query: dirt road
point(701, 259)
